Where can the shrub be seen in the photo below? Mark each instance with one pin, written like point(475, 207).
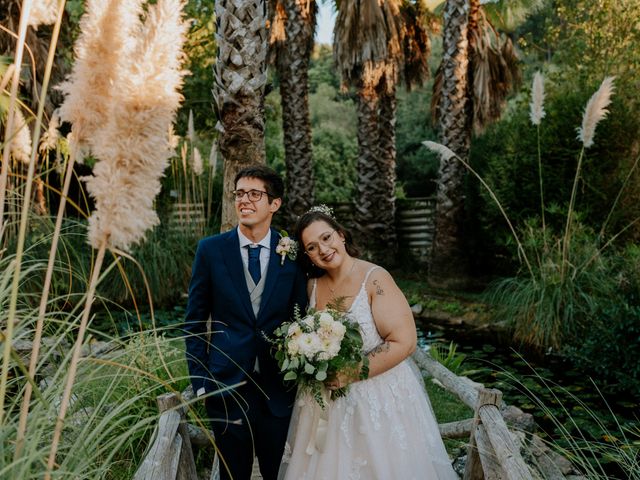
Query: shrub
point(610, 348)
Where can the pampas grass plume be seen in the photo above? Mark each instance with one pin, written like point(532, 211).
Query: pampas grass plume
point(134, 146)
point(105, 43)
point(52, 135)
point(196, 162)
point(537, 99)
point(43, 12)
point(191, 131)
point(21, 141)
point(445, 152)
point(595, 111)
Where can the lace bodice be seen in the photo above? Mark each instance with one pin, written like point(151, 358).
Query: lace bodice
point(360, 312)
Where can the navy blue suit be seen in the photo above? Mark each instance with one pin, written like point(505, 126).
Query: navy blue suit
point(218, 288)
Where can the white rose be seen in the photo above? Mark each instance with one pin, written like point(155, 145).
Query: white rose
point(325, 318)
point(324, 356)
point(294, 330)
point(329, 350)
point(334, 348)
point(339, 329)
point(309, 344)
point(309, 321)
point(293, 347)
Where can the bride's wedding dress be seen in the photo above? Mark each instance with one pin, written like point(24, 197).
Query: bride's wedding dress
point(384, 428)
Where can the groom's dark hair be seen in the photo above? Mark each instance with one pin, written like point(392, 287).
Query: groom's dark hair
point(272, 180)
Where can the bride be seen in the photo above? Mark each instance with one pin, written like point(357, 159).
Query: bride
point(384, 427)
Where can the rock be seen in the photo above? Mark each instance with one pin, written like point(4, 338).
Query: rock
point(97, 348)
point(459, 464)
point(551, 465)
point(517, 419)
point(47, 347)
point(519, 439)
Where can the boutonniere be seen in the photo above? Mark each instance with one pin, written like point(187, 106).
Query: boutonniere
point(287, 247)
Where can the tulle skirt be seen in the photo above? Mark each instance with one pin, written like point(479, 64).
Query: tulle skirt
point(384, 428)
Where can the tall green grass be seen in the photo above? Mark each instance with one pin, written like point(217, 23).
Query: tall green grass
point(113, 410)
point(566, 272)
point(602, 448)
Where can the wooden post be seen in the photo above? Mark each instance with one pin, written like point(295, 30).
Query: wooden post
point(187, 464)
point(490, 465)
point(157, 462)
point(503, 446)
point(473, 467)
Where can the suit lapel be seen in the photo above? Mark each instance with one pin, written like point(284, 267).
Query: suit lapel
point(233, 261)
point(273, 272)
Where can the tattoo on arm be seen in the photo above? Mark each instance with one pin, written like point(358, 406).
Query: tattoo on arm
point(383, 347)
point(379, 289)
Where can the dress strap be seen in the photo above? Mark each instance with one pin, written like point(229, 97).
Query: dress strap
point(312, 297)
point(366, 277)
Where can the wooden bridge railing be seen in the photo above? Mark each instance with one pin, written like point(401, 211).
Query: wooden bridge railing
point(492, 451)
point(170, 456)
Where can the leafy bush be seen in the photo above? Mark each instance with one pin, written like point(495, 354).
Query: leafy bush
point(574, 292)
point(164, 257)
point(558, 299)
point(335, 149)
point(506, 157)
point(610, 348)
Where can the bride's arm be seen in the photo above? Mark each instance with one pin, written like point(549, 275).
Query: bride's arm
point(394, 321)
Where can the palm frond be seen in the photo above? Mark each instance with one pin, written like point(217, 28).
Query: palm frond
point(494, 72)
point(493, 68)
point(416, 44)
point(360, 37)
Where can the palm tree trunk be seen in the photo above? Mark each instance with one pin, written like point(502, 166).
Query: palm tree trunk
point(387, 169)
point(367, 166)
point(375, 206)
point(448, 265)
point(240, 79)
point(292, 62)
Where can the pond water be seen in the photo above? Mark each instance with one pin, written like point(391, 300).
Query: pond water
point(568, 406)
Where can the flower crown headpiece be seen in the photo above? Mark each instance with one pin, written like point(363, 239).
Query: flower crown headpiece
point(324, 209)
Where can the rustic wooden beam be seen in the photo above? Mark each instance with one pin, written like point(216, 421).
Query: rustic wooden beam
point(200, 437)
point(464, 388)
point(473, 467)
point(459, 429)
point(187, 465)
point(505, 449)
point(153, 466)
point(173, 471)
point(490, 466)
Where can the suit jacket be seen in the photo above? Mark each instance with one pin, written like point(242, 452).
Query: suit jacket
point(218, 288)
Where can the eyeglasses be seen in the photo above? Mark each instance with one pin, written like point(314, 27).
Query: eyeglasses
point(325, 240)
point(252, 195)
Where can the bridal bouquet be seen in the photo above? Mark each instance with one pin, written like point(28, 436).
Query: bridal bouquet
point(315, 347)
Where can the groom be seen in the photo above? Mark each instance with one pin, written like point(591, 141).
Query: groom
point(248, 290)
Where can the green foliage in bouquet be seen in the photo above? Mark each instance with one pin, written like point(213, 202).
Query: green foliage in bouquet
point(314, 348)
